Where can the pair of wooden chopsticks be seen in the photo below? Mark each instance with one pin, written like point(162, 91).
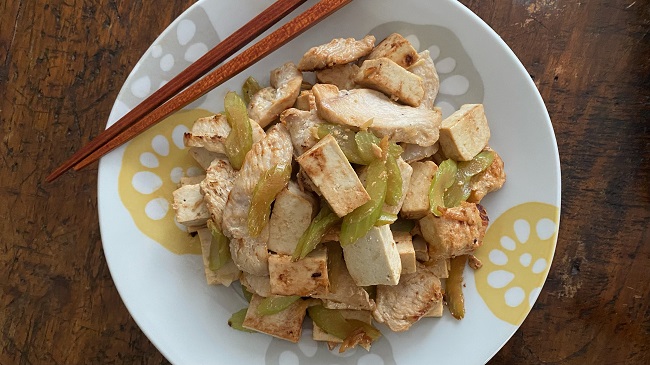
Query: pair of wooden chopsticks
point(184, 88)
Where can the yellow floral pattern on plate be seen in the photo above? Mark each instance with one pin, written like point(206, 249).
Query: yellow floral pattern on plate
point(516, 255)
point(152, 166)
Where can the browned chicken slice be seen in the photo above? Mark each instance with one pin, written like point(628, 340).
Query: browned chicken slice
point(359, 107)
point(219, 180)
point(459, 231)
point(401, 305)
point(301, 125)
point(426, 69)
point(250, 253)
point(341, 75)
point(336, 52)
point(267, 104)
point(397, 48)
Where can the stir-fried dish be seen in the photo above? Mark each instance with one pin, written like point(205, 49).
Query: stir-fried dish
point(349, 200)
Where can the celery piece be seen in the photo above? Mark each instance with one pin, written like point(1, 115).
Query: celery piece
point(318, 227)
point(219, 248)
point(402, 225)
point(247, 295)
point(275, 304)
point(345, 139)
point(271, 183)
point(240, 138)
point(460, 190)
point(454, 287)
point(356, 224)
point(394, 192)
point(236, 321)
point(385, 218)
point(445, 177)
point(249, 88)
point(365, 141)
point(476, 165)
point(330, 321)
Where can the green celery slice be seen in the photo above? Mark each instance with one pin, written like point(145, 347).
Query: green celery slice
point(247, 295)
point(240, 138)
point(454, 287)
point(271, 183)
point(236, 321)
point(386, 218)
point(345, 139)
point(219, 248)
point(330, 321)
point(249, 88)
point(365, 140)
point(445, 177)
point(356, 224)
point(275, 304)
point(324, 220)
point(394, 192)
point(460, 190)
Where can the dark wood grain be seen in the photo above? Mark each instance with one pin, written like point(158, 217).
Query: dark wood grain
point(62, 64)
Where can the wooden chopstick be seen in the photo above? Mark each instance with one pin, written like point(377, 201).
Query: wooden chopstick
point(237, 64)
point(244, 35)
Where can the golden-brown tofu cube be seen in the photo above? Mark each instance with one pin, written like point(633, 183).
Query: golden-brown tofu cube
point(286, 325)
point(329, 169)
point(404, 243)
point(189, 205)
point(305, 277)
point(384, 75)
point(416, 203)
point(464, 133)
point(226, 274)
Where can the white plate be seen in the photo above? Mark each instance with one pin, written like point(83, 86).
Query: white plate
point(163, 287)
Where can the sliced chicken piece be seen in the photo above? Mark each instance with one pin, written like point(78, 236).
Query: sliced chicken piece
point(426, 69)
point(401, 123)
point(219, 180)
point(397, 48)
point(342, 76)
point(211, 133)
point(302, 126)
point(401, 305)
point(203, 157)
point(487, 181)
point(413, 152)
point(384, 75)
point(250, 253)
point(267, 104)
point(459, 231)
point(336, 52)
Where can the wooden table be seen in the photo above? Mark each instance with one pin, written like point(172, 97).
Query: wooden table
point(62, 64)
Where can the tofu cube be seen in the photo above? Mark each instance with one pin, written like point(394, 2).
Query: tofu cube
point(326, 166)
point(286, 324)
point(292, 213)
point(404, 243)
point(373, 259)
point(397, 48)
point(189, 206)
point(464, 133)
point(226, 274)
point(416, 202)
point(305, 277)
point(321, 335)
point(421, 249)
point(436, 311)
point(459, 231)
point(395, 81)
point(191, 180)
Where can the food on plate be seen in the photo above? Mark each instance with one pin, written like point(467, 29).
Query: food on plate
point(348, 201)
